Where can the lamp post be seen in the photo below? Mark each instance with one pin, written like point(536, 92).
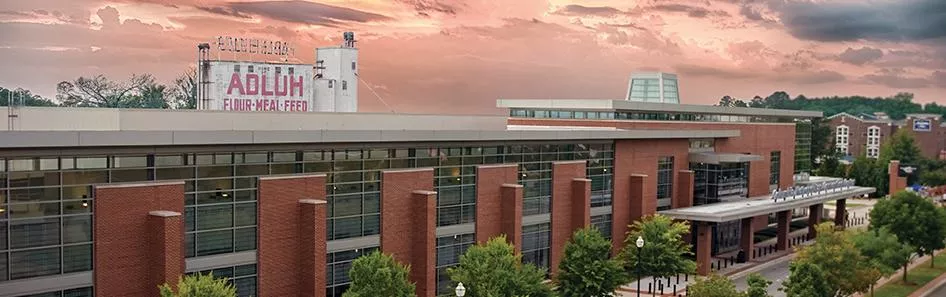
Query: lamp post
point(640, 244)
point(460, 290)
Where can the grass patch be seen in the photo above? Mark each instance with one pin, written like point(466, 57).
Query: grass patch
point(917, 278)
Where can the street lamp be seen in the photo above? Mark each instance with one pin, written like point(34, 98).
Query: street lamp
point(460, 290)
point(640, 244)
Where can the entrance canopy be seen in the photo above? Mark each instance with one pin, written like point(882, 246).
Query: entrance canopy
point(756, 206)
point(718, 158)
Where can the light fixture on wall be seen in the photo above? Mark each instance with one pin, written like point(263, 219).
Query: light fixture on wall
point(85, 201)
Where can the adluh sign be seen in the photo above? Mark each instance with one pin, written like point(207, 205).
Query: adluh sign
point(253, 86)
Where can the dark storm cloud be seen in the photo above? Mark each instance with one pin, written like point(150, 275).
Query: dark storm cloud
point(426, 7)
point(298, 12)
point(579, 10)
point(903, 20)
point(692, 11)
point(698, 70)
point(224, 11)
point(860, 56)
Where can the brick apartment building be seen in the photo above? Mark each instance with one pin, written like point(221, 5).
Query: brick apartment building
point(856, 135)
point(111, 202)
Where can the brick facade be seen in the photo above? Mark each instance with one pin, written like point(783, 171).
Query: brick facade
point(857, 132)
point(512, 214)
point(292, 236)
point(139, 237)
point(571, 202)
point(408, 224)
point(931, 143)
point(490, 200)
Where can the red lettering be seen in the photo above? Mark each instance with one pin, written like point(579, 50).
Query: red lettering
point(259, 104)
point(252, 84)
point(226, 104)
point(293, 84)
point(284, 91)
point(263, 91)
point(235, 83)
point(305, 105)
point(272, 105)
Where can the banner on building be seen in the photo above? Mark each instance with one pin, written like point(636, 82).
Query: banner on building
point(258, 86)
point(922, 125)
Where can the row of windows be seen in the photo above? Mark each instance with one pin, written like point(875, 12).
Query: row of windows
point(775, 171)
point(242, 277)
point(449, 250)
point(603, 224)
point(641, 115)
point(664, 177)
point(78, 292)
point(536, 242)
point(339, 263)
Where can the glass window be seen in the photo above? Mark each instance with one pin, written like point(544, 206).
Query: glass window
point(449, 250)
point(664, 177)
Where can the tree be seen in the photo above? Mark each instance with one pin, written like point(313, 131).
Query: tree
point(915, 221)
point(831, 165)
point(21, 97)
point(900, 146)
point(185, 90)
point(494, 269)
point(713, 286)
point(99, 91)
point(199, 285)
point(883, 251)
point(806, 279)
point(933, 178)
point(758, 286)
point(587, 269)
point(664, 252)
point(843, 266)
point(726, 101)
point(378, 274)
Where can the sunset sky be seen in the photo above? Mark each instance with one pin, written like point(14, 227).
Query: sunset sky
point(455, 56)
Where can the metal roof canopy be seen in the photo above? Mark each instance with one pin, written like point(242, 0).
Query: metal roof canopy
point(718, 158)
point(730, 211)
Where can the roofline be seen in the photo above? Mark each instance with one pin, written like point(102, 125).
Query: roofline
point(74, 139)
point(623, 105)
point(756, 210)
point(859, 118)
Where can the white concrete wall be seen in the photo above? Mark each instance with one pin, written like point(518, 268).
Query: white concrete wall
point(107, 119)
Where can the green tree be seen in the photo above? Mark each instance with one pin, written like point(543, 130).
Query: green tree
point(831, 165)
point(933, 178)
point(758, 286)
point(378, 274)
point(199, 285)
point(883, 251)
point(915, 221)
point(664, 253)
point(494, 269)
point(587, 269)
point(714, 286)
point(806, 279)
point(843, 266)
point(900, 146)
point(21, 97)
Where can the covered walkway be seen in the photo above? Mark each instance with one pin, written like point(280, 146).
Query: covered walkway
point(811, 195)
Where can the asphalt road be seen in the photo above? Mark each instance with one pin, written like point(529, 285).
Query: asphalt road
point(941, 291)
point(775, 273)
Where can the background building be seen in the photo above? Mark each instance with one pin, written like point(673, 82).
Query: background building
point(656, 87)
point(856, 135)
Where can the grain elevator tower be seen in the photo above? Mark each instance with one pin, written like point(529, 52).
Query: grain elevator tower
point(336, 79)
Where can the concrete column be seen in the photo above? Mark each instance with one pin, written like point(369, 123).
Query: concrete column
point(684, 195)
point(747, 240)
point(511, 205)
point(814, 218)
point(840, 213)
point(783, 220)
point(704, 240)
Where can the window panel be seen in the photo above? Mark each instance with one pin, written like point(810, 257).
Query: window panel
point(34, 232)
point(214, 242)
point(32, 263)
point(77, 229)
point(214, 217)
point(76, 258)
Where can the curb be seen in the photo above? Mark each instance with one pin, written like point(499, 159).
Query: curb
point(926, 290)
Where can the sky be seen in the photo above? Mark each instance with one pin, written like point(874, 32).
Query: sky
point(455, 56)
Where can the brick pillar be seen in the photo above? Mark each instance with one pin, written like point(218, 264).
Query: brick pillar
point(747, 238)
point(704, 241)
point(840, 213)
point(783, 220)
point(566, 177)
point(897, 183)
point(312, 231)
point(490, 200)
point(408, 223)
point(684, 193)
point(166, 243)
point(139, 236)
point(581, 203)
point(641, 205)
point(511, 206)
point(291, 235)
point(814, 218)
